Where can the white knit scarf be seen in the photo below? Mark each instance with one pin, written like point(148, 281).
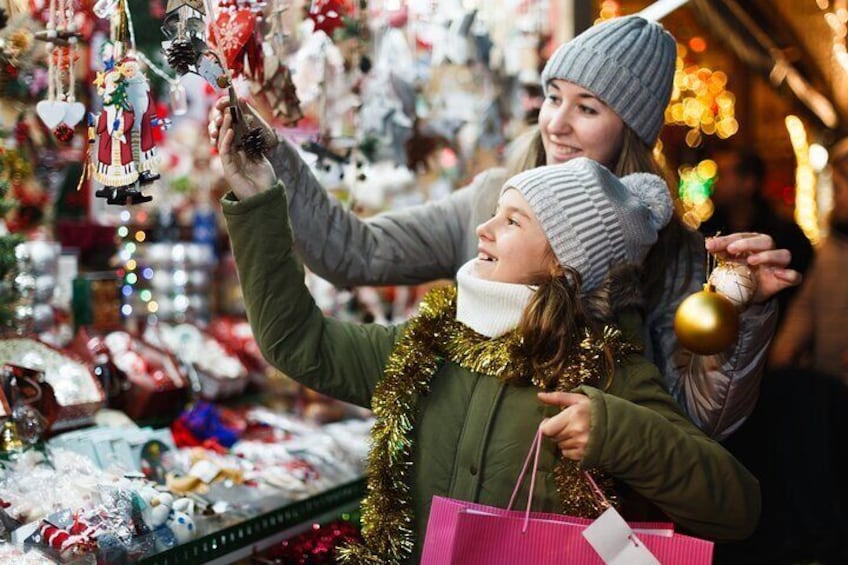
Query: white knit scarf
point(489, 308)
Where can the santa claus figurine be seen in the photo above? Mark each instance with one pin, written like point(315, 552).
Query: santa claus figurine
point(141, 102)
point(115, 164)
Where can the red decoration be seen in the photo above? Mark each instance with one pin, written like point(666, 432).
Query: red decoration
point(21, 132)
point(316, 546)
point(63, 133)
point(327, 15)
point(237, 35)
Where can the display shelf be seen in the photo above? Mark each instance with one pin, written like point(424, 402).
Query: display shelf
point(255, 534)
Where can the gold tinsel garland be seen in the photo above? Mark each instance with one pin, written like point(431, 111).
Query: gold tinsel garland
point(429, 340)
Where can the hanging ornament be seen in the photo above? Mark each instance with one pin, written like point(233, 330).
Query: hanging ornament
point(278, 89)
point(237, 35)
point(327, 15)
point(735, 281)
point(214, 65)
point(181, 56)
point(178, 99)
point(707, 322)
point(60, 108)
point(250, 138)
point(185, 34)
point(114, 167)
point(123, 155)
point(145, 118)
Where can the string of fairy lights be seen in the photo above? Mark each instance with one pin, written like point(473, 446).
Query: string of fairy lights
point(134, 275)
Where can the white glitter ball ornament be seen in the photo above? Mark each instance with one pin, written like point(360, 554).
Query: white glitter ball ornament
point(736, 282)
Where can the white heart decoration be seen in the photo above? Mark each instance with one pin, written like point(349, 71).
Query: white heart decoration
point(74, 114)
point(51, 113)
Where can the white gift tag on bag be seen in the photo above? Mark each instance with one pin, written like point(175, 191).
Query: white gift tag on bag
point(615, 541)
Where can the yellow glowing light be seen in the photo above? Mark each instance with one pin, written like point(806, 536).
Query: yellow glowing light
point(152, 306)
point(609, 9)
point(806, 211)
point(837, 20)
point(140, 236)
point(701, 102)
point(131, 265)
point(707, 169)
point(693, 138)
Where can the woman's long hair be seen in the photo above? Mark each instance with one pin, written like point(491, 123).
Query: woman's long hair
point(676, 244)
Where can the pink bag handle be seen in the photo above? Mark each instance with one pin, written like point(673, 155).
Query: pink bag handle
point(535, 450)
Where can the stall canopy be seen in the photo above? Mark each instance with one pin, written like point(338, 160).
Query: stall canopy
point(798, 46)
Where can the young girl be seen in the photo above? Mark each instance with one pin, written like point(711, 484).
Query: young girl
point(456, 391)
point(606, 93)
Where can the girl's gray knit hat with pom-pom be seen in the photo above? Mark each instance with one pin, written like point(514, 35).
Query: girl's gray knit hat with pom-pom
point(594, 220)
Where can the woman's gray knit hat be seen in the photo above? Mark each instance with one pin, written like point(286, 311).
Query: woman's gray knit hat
point(628, 63)
point(594, 220)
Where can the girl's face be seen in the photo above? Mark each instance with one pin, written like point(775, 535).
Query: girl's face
point(512, 247)
point(574, 123)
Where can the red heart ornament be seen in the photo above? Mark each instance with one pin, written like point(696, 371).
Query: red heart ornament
point(232, 32)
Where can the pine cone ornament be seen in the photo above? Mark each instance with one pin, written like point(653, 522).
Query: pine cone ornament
point(181, 55)
point(254, 144)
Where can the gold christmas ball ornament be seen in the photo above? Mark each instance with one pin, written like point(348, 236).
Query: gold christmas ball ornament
point(706, 322)
point(735, 281)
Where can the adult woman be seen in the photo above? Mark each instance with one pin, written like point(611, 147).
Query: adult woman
point(607, 90)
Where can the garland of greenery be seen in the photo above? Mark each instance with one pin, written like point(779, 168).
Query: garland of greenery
point(429, 340)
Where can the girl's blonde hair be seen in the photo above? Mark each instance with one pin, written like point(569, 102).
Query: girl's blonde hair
point(676, 244)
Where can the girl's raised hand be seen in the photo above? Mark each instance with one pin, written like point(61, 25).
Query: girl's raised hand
point(245, 177)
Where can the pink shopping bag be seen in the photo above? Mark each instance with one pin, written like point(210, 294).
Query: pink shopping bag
point(466, 533)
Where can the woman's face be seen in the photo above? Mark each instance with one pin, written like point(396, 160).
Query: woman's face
point(574, 123)
point(512, 248)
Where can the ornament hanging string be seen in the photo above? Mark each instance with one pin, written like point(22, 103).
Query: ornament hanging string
point(157, 70)
point(129, 23)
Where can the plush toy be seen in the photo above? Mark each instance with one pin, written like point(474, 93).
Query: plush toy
point(180, 522)
point(167, 518)
point(157, 506)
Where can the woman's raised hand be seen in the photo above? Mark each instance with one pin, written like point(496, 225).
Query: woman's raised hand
point(769, 265)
